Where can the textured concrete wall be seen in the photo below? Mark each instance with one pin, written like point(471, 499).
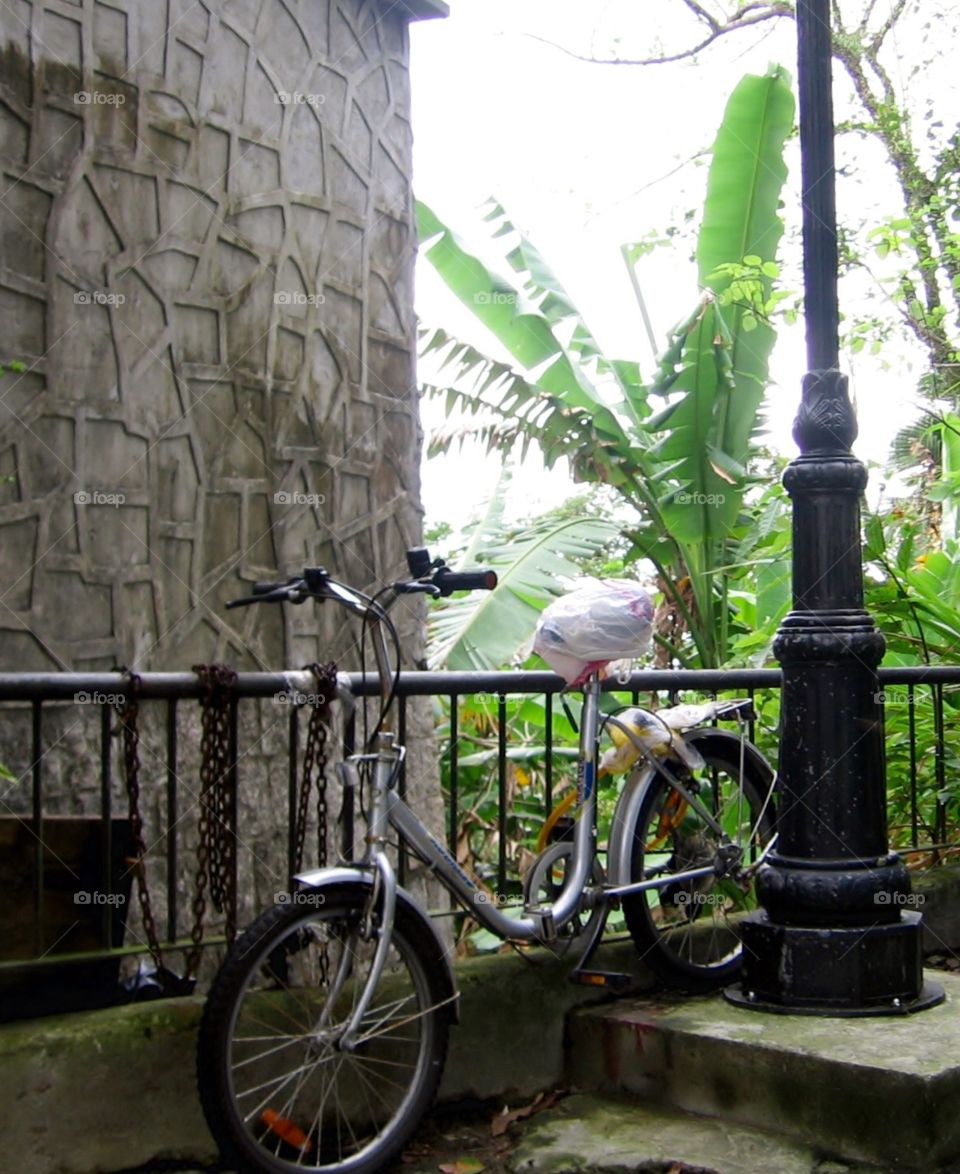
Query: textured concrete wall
point(207, 254)
point(206, 264)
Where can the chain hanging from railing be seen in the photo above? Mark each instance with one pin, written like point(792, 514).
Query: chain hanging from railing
point(217, 839)
point(129, 730)
point(314, 771)
point(215, 843)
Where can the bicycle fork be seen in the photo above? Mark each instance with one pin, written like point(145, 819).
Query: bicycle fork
point(376, 921)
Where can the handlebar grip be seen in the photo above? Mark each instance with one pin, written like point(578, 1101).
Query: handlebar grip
point(264, 588)
point(449, 581)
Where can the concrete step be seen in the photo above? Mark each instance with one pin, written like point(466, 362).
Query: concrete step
point(882, 1090)
point(619, 1135)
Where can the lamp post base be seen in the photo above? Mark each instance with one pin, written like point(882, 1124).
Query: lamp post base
point(833, 970)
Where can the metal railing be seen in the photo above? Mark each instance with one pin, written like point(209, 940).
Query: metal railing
point(27, 698)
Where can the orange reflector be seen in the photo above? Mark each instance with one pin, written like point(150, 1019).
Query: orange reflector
point(287, 1129)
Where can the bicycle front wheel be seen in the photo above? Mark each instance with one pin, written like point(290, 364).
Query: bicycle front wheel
point(279, 1090)
point(688, 931)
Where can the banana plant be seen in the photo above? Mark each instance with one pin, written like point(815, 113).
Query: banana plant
point(485, 630)
point(677, 449)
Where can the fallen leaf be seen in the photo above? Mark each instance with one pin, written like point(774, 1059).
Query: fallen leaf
point(462, 1166)
point(503, 1120)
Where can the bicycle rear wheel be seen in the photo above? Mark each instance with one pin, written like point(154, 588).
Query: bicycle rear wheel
point(278, 1091)
point(687, 931)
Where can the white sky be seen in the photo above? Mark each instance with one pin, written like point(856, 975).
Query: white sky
point(577, 154)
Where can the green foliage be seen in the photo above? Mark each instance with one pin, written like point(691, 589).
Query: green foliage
point(487, 629)
point(913, 591)
point(675, 451)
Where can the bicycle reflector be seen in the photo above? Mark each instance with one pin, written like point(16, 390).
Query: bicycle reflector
point(283, 1127)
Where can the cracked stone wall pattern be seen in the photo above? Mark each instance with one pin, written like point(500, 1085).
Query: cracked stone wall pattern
point(207, 269)
point(206, 266)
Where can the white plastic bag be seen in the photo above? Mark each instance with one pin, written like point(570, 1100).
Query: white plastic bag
point(604, 620)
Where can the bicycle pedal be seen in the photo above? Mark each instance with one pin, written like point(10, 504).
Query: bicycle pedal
point(613, 980)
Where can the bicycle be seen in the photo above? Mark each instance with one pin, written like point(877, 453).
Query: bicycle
point(324, 1035)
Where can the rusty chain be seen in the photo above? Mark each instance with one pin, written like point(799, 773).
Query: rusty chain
point(314, 772)
point(216, 841)
point(130, 732)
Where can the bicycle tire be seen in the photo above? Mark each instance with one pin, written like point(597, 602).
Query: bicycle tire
point(686, 931)
point(348, 1112)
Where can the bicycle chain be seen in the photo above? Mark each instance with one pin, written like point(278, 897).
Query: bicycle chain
point(216, 842)
point(314, 770)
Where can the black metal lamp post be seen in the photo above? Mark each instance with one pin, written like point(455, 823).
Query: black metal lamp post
point(835, 933)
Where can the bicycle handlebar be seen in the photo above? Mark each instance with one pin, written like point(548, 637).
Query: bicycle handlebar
point(449, 581)
point(433, 577)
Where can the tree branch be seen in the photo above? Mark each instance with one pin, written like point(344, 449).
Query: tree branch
point(867, 13)
point(702, 14)
point(750, 14)
point(895, 13)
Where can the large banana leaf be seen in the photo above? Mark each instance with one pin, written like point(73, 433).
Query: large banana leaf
point(486, 629)
point(685, 468)
point(740, 220)
point(714, 372)
point(516, 321)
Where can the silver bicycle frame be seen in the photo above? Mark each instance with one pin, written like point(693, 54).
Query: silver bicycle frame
point(536, 922)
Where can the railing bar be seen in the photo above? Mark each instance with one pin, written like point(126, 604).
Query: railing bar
point(501, 793)
point(293, 744)
point(172, 853)
point(350, 734)
point(106, 828)
point(940, 830)
point(453, 828)
point(914, 799)
point(62, 686)
point(402, 786)
point(548, 765)
point(37, 789)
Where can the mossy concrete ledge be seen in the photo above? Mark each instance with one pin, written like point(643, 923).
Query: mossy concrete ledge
point(114, 1089)
point(884, 1090)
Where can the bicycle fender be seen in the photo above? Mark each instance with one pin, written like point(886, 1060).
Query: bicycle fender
point(620, 844)
point(752, 758)
point(323, 878)
point(620, 848)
